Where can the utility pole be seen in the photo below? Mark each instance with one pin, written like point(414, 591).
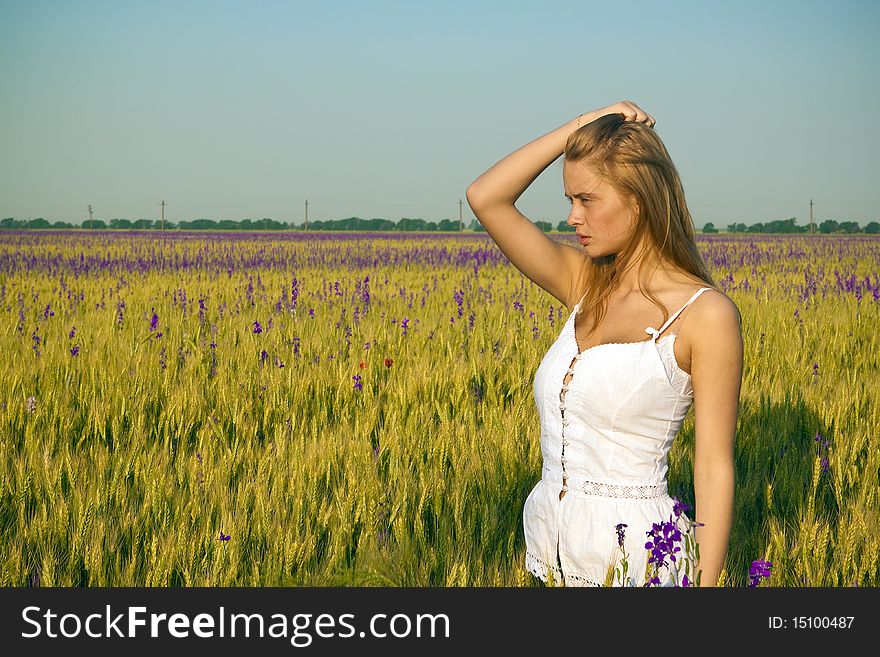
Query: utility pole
point(812, 229)
point(307, 214)
point(163, 214)
point(460, 220)
point(90, 216)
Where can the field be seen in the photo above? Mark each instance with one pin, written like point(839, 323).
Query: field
point(355, 409)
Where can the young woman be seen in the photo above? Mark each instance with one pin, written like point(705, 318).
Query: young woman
point(611, 402)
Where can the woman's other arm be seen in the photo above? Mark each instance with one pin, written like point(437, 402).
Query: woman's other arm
point(716, 377)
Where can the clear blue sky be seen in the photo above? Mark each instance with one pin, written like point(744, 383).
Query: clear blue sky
point(389, 109)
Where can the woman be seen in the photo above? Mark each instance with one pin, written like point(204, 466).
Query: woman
point(607, 425)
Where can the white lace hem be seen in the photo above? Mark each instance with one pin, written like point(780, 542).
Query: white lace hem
point(540, 568)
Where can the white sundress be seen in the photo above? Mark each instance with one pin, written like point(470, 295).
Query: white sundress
point(605, 437)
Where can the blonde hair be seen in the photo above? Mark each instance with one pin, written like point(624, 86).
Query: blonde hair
point(630, 157)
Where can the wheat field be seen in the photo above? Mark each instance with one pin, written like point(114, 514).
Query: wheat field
point(357, 410)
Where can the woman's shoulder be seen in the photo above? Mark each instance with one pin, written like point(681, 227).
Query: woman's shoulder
point(714, 308)
point(714, 324)
point(711, 305)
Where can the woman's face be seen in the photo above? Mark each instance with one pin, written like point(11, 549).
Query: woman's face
point(597, 210)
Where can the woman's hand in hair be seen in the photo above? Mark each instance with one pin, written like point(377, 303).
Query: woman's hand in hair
point(630, 111)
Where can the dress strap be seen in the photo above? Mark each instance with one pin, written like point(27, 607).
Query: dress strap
point(577, 305)
point(656, 332)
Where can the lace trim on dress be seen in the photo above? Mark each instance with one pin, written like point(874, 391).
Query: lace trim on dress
point(614, 490)
point(540, 568)
point(603, 489)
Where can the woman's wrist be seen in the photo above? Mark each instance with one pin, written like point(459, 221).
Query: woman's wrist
point(584, 119)
point(578, 122)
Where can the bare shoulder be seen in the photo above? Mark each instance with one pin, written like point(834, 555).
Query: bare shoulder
point(715, 332)
point(712, 326)
point(714, 311)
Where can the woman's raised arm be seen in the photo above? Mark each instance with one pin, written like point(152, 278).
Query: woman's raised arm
point(551, 265)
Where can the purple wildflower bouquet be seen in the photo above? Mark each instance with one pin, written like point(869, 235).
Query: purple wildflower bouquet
point(665, 541)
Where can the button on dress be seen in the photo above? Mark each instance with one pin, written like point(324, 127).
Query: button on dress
point(608, 417)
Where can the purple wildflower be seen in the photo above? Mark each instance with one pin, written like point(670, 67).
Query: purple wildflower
point(47, 313)
point(620, 532)
point(154, 320)
point(357, 382)
point(257, 327)
point(224, 537)
point(822, 451)
point(72, 333)
point(74, 350)
point(665, 536)
point(679, 507)
point(294, 293)
point(759, 570)
point(365, 294)
point(263, 356)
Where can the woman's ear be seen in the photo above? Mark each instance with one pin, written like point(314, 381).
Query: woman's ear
point(634, 205)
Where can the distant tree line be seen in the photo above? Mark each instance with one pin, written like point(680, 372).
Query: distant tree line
point(829, 226)
point(352, 223)
point(826, 227)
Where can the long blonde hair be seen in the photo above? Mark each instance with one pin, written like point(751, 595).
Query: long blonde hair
point(633, 160)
